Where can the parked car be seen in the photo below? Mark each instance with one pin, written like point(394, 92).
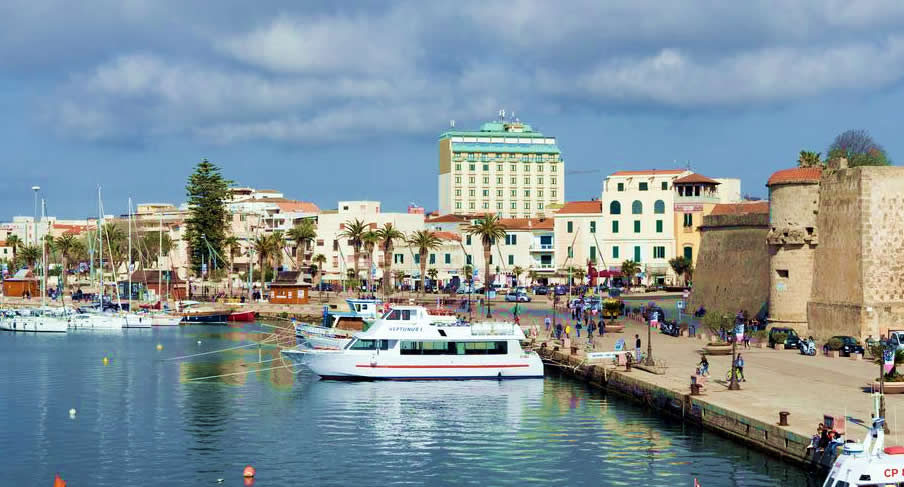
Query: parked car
point(517, 297)
point(561, 290)
point(896, 339)
point(541, 290)
point(791, 339)
point(323, 286)
point(850, 345)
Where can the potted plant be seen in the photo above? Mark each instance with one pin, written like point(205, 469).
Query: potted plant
point(894, 381)
point(779, 338)
point(611, 307)
point(760, 338)
point(834, 345)
point(719, 324)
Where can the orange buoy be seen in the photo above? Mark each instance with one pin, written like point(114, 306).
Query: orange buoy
point(248, 472)
point(58, 481)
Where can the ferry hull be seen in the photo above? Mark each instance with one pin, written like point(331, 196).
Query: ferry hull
point(339, 365)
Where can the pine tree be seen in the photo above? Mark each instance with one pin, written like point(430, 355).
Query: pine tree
point(206, 226)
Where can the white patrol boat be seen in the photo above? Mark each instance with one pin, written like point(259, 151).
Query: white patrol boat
point(870, 463)
point(407, 343)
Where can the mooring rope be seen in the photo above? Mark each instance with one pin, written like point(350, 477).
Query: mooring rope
point(237, 347)
point(238, 373)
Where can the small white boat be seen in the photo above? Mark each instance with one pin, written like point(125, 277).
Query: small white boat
point(407, 343)
point(870, 463)
point(318, 337)
point(133, 320)
point(33, 321)
point(163, 319)
point(95, 321)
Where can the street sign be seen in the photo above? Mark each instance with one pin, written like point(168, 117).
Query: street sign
point(204, 269)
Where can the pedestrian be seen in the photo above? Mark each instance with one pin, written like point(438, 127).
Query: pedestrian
point(739, 366)
point(577, 329)
point(602, 327)
point(703, 366)
point(590, 328)
point(747, 338)
point(547, 322)
point(636, 347)
point(558, 331)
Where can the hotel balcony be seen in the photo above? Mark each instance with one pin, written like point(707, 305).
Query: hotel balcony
point(701, 198)
point(542, 247)
point(537, 266)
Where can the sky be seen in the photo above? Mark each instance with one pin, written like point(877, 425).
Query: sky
point(342, 100)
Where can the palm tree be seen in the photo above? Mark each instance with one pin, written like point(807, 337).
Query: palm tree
point(277, 244)
point(115, 241)
point(320, 260)
point(682, 267)
point(234, 247)
point(517, 271)
point(424, 241)
point(388, 234)
point(66, 245)
point(809, 159)
point(15, 242)
point(354, 231)
point(303, 235)
point(399, 275)
point(261, 246)
point(30, 254)
point(489, 229)
point(629, 269)
point(579, 274)
point(370, 240)
point(432, 272)
point(533, 276)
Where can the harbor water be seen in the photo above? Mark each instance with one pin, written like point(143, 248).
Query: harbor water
point(143, 420)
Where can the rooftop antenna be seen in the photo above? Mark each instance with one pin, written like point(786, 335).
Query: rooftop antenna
point(502, 114)
point(452, 123)
point(688, 165)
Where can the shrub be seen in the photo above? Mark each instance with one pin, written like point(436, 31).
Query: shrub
point(835, 344)
point(760, 335)
point(779, 338)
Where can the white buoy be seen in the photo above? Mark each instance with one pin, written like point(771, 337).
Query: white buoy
point(199, 342)
point(72, 413)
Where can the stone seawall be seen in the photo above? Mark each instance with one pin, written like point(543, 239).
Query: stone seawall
point(692, 409)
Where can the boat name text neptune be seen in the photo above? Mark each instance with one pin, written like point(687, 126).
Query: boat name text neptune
point(406, 328)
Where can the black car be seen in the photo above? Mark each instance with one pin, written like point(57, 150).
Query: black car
point(541, 290)
point(323, 286)
point(791, 339)
point(561, 290)
point(850, 346)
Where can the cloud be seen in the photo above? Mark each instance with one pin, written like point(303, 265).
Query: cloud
point(330, 72)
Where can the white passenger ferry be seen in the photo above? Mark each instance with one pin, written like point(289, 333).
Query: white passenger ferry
point(407, 343)
point(870, 463)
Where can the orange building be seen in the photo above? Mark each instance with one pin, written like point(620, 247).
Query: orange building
point(290, 287)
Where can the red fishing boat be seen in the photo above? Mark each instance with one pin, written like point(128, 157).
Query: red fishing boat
point(242, 316)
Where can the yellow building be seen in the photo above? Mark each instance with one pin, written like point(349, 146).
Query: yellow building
point(695, 197)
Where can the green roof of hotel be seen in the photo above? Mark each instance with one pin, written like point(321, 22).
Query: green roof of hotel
point(491, 129)
point(498, 129)
point(506, 148)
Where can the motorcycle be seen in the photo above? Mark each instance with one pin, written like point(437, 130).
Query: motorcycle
point(669, 328)
point(807, 347)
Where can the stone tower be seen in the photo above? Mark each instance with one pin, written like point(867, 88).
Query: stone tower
point(792, 239)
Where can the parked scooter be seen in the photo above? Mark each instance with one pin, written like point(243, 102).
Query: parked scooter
point(669, 328)
point(807, 347)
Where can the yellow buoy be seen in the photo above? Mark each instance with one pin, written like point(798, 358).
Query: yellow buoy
point(106, 361)
point(159, 347)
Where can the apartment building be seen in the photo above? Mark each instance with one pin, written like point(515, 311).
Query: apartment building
point(578, 234)
point(505, 167)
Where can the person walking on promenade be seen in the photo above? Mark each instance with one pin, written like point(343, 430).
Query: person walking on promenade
point(747, 337)
point(703, 366)
point(591, 326)
point(739, 366)
point(637, 348)
point(558, 331)
point(577, 329)
point(547, 322)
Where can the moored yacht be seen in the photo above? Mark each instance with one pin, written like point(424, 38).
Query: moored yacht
point(408, 343)
point(870, 463)
point(33, 321)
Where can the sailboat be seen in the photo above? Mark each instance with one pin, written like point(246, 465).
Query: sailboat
point(43, 319)
point(132, 319)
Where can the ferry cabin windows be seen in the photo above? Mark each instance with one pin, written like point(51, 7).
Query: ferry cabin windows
point(369, 345)
point(398, 315)
point(407, 347)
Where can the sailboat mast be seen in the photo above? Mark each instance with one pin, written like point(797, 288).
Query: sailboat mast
point(100, 240)
point(43, 260)
point(159, 254)
point(130, 255)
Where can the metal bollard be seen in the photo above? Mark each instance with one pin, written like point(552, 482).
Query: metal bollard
point(783, 418)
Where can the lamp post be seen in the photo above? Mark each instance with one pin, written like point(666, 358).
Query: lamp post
point(882, 387)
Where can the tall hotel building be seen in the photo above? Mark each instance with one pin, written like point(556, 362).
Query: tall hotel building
point(504, 168)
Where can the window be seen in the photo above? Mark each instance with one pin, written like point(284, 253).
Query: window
point(486, 180)
point(486, 205)
point(471, 167)
point(370, 344)
point(665, 185)
point(499, 205)
point(636, 226)
point(472, 157)
point(433, 258)
point(526, 180)
point(621, 186)
point(539, 193)
point(499, 180)
point(514, 180)
point(471, 193)
point(467, 239)
point(417, 258)
point(592, 227)
point(637, 253)
point(499, 167)
point(688, 220)
point(468, 260)
point(524, 157)
point(447, 258)
point(471, 179)
point(457, 192)
point(527, 168)
point(642, 186)
point(782, 273)
point(526, 206)
point(511, 259)
point(540, 167)
point(614, 226)
point(553, 192)
point(658, 252)
point(514, 193)
point(486, 167)
point(658, 226)
point(552, 180)
point(659, 207)
point(552, 168)
point(320, 242)
point(570, 227)
point(514, 167)
point(398, 259)
point(540, 180)
point(511, 239)
point(514, 205)
point(636, 208)
point(593, 253)
point(458, 205)
point(540, 205)
point(570, 252)
point(471, 205)
point(457, 179)
point(527, 193)
point(689, 253)
point(615, 208)
point(458, 166)
point(614, 251)
point(491, 259)
point(484, 158)
point(452, 348)
point(486, 193)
